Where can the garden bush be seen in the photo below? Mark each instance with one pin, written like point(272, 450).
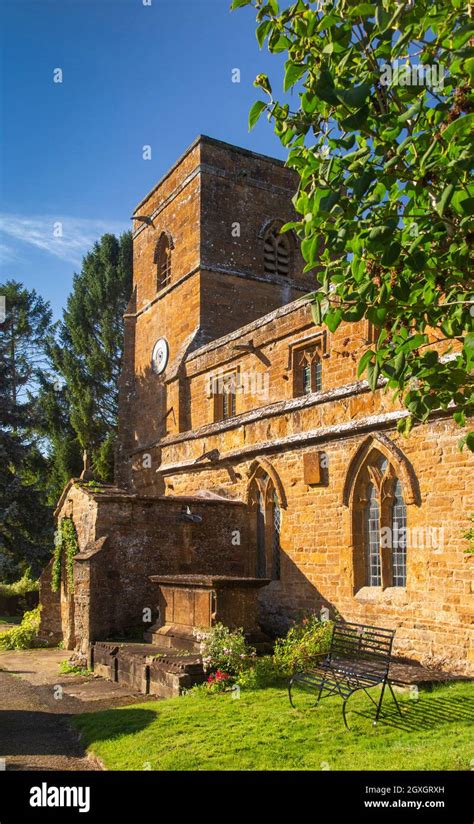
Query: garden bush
point(226, 652)
point(307, 638)
point(25, 584)
point(25, 635)
point(225, 649)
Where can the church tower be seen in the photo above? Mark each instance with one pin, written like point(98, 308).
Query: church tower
point(208, 258)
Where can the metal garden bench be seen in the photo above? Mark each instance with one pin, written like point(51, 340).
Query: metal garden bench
point(358, 659)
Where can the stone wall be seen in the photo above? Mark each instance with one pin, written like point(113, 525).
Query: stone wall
point(123, 540)
point(434, 612)
point(222, 313)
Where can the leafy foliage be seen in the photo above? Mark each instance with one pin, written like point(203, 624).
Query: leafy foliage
point(66, 546)
point(225, 649)
point(87, 351)
point(25, 526)
point(25, 635)
point(25, 584)
point(381, 138)
point(306, 639)
point(66, 668)
point(469, 536)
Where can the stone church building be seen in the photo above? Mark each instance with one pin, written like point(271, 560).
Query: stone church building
point(249, 448)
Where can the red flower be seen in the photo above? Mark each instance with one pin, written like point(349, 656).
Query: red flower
point(221, 676)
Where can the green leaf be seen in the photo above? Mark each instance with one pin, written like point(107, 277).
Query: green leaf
point(413, 342)
point(333, 319)
point(463, 125)
point(362, 10)
point(262, 31)
point(366, 357)
point(468, 441)
point(467, 205)
point(324, 88)
point(390, 256)
point(316, 313)
point(445, 199)
point(236, 4)
point(382, 18)
point(293, 72)
point(373, 372)
point(354, 97)
point(410, 113)
point(468, 346)
point(355, 121)
point(280, 44)
point(258, 107)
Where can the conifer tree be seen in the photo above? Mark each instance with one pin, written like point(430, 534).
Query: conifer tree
point(25, 519)
point(87, 351)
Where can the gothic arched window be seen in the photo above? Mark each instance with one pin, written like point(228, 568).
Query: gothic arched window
point(276, 251)
point(379, 525)
point(399, 544)
point(276, 537)
point(266, 519)
point(372, 538)
point(307, 370)
point(163, 261)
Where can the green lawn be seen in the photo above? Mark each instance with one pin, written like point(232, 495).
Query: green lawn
point(260, 731)
point(9, 619)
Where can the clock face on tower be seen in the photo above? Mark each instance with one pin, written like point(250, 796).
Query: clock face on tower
point(159, 357)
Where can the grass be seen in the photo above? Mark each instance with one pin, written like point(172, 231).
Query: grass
point(65, 668)
point(260, 731)
point(9, 619)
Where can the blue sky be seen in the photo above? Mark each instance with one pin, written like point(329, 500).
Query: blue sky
point(132, 75)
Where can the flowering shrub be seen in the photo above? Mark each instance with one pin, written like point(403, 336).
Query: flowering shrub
point(307, 638)
point(224, 649)
point(219, 682)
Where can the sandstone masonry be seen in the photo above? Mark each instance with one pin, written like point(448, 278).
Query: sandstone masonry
point(236, 408)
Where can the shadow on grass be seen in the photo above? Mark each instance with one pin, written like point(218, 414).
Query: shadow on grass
point(103, 726)
point(423, 714)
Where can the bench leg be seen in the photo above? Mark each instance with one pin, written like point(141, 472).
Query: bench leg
point(344, 712)
point(393, 696)
point(379, 705)
point(289, 693)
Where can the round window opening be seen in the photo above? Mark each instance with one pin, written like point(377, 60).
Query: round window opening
point(160, 355)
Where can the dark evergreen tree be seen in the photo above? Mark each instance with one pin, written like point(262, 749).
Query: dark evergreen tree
point(25, 519)
point(87, 352)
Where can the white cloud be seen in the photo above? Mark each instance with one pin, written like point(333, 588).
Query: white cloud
point(68, 238)
point(8, 254)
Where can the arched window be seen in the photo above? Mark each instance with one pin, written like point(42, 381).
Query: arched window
point(372, 539)
point(266, 524)
point(261, 555)
point(307, 370)
point(276, 251)
point(399, 544)
point(276, 537)
point(379, 525)
point(163, 261)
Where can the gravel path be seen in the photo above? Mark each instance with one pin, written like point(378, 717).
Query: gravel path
point(32, 735)
point(36, 704)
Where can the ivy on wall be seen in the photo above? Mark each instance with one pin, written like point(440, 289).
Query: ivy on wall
point(66, 542)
